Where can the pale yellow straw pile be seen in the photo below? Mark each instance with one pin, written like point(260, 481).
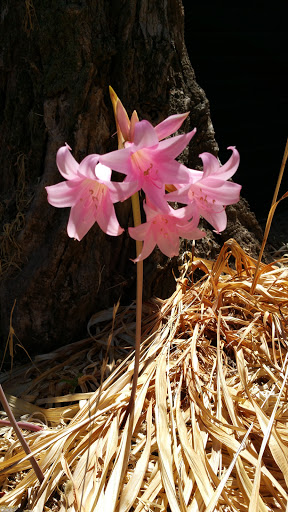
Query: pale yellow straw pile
point(210, 423)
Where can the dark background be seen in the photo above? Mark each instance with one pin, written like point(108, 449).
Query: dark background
point(240, 59)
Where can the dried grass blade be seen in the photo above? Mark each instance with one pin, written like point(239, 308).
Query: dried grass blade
point(233, 445)
point(76, 493)
point(227, 396)
point(154, 488)
point(119, 469)
point(175, 450)
point(277, 447)
point(163, 436)
point(213, 502)
point(111, 441)
point(196, 464)
point(130, 492)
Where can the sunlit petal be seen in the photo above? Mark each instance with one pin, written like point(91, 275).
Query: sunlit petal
point(63, 194)
point(210, 164)
point(156, 196)
point(107, 219)
point(180, 195)
point(148, 247)
point(227, 170)
point(122, 120)
point(134, 120)
point(121, 191)
point(191, 232)
point(103, 173)
point(87, 168)
point(66, 163)
point(222, 192)
point(139, 232)
point(118, 160)
point(217, 219)
point(171, 148)
point(170, 125)
point(168, 244)
point(175, 172)
point(144, 135)
point(80, 221)
point(212, 167)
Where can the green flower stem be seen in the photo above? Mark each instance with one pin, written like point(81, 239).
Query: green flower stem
point(20, 436)
point(139, 294)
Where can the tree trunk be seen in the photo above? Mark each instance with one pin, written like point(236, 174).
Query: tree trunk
point(57, 60)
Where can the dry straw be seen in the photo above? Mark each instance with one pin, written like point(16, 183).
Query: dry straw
point(209, 430)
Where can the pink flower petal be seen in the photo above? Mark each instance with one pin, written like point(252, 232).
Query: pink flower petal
point(175, 172)
point(80, 221)
point(63, 194)
point(180, 195)
point(88, 165)
point(194, 175)
point(144, 135)
point(103, 173)
point(191, 232)
point(171, 148)
point(150, 209)
point(227, 170)
point(183, 214)
point(107, 219)
point(118, 160)
point(122, 120)
point(66, 163)
point(211, 165)
point(148, 247)
point(193, 213)
point(121, 191)
point(217, 219)
point(157, 196)
point(134, 120)
point(170, 125)
point(169, 244)
point(139, 232)
point(220, 191)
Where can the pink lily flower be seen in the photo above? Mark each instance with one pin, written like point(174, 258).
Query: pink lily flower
point(150, 164)
point(88, 191)
point(164, 230)
point(208, 192)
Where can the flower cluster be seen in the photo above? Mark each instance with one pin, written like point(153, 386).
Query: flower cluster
point(148, 161)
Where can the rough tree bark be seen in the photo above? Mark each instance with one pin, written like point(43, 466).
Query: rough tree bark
point(57, 60)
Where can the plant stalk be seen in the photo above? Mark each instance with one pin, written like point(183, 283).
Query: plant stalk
point(139, 291)
point(20, 436)
point(270, 218)
point(139, 296)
